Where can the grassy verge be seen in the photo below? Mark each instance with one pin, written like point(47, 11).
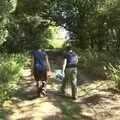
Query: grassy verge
point(11, 68)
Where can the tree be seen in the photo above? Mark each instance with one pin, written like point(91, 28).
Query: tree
point(87, 21)
point(27, 26)
point(6, 8)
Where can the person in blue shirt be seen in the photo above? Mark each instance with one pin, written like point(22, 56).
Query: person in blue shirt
point(40, 68)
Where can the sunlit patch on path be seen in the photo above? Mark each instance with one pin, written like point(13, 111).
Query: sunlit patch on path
point(28, 107)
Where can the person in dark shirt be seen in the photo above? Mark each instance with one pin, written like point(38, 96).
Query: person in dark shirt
point(40, 68)
point(70, 71)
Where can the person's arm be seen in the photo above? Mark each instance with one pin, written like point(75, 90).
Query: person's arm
point(64, 65)
point(33, 61)
point(32, 65)
point(47, 63)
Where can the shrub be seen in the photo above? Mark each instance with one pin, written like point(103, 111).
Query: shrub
point(94, 62)
point(113, 73)
point(11, 67)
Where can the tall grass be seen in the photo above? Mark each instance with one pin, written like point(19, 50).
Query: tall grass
point(11, 67)
point(94, 62)
point(113, 73)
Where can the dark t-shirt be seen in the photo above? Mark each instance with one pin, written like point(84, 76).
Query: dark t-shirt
point(71, 59)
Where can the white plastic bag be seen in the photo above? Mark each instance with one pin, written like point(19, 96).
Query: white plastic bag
point(59, 75)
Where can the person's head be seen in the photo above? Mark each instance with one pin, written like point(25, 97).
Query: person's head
point(70, 49)
point(40, 49)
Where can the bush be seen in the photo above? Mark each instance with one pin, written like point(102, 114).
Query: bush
point(11, 67)
point(113, 73)
point(94, 62)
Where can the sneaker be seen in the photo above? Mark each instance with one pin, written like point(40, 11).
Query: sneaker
point(41, 96)
point(74, 98)
point(44, 93)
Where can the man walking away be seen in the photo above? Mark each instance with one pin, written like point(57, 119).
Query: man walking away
point(70, 71)
point(40, 68)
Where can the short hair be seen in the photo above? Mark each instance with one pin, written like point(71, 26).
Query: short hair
point(69, 48)
point(41, 48)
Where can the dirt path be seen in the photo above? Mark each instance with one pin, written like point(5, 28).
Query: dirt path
point(27, 107)
point(95, 102)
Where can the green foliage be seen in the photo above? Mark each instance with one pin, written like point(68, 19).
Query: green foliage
point(89, 21)
point(92, 23)
point(56, 38)
point(6, 7)
point(11, 5)
point(11, 68)
point(113, 73)
point(93, 62)
point(57, 43)
point(23, 25)
point(3, 35)
point(2, 114)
